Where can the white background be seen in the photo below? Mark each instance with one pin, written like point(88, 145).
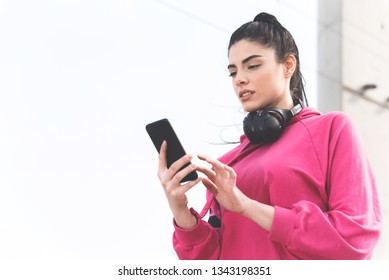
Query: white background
point(79, 80)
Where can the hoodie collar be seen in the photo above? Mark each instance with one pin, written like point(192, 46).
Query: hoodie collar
point(305, 113)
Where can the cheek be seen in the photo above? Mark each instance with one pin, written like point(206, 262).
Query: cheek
point(274, 78)
point(279, 74)
point(264, 79)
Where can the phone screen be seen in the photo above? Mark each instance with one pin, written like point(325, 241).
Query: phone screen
point(162, 130)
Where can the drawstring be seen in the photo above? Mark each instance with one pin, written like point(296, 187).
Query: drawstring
point(206, 208)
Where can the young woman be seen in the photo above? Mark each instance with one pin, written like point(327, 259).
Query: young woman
point(299, 185)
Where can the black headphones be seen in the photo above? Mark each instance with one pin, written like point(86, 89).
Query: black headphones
point(267, 125)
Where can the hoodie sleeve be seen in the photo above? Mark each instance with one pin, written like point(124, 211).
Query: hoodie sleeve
point(198, 243)
point(350, 227)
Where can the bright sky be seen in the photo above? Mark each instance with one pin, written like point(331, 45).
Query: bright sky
point(79, 80)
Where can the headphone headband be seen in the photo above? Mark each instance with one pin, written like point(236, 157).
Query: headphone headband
point(296, 109)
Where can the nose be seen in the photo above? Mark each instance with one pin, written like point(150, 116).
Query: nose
point(240, 80)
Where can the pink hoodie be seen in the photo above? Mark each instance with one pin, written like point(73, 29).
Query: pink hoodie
point(319, 180)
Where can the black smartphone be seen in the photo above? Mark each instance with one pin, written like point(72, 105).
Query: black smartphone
point(162, 130)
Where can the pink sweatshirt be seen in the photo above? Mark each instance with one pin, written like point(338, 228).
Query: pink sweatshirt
point(319, 180)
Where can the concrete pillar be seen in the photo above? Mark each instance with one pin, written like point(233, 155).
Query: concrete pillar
point(329, 97)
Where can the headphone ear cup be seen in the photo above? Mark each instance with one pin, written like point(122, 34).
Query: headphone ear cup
point(275, 125)
point(249, 127)
point(265, 126)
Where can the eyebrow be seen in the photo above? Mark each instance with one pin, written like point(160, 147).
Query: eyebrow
point(247, 59)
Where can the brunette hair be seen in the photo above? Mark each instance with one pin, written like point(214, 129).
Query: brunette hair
point(266, 30)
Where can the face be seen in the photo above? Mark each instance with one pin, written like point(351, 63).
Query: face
point(259, 80)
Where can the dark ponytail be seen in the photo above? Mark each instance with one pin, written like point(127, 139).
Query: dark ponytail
point(266, 30)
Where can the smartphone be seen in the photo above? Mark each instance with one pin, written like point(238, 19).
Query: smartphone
point(162, 130)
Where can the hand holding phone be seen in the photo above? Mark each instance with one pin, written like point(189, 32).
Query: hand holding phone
point(162, 130)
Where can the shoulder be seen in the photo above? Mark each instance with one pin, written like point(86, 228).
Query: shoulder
point(337, 118)
point(332, 128)
point(329, 121)
point(339, 121)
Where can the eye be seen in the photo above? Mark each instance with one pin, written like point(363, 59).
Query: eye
point(232, 74)
point(254, 66)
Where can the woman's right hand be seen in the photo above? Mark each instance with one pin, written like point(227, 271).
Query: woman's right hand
point(175, 191)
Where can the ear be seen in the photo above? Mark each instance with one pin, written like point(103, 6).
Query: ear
point(290, 65)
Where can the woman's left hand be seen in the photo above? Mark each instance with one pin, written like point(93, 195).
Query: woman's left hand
point(221, 182)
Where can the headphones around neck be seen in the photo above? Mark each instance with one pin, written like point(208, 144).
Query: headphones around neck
point(267, 125)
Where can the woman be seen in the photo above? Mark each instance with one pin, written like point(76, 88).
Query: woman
point(303, 192)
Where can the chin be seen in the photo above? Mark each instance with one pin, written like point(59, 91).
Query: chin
point(250, 108)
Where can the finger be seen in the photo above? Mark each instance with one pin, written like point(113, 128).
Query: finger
point(187, 186)
point(178, 176)
point(210, 186)
point(178, 164)
point(231, 171)
point(208, 172)
point(162, 156)
point(218, 166)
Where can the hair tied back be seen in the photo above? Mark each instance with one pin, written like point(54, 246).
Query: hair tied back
point(265, 17)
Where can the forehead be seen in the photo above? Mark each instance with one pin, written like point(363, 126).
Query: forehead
point(244, 48)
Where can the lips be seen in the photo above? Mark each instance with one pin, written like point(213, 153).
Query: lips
point(245, 94)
